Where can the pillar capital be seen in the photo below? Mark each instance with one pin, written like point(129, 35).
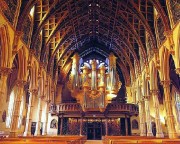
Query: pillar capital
point(42, 97)
point(5, 71)
point(154, 92)
point(20, 83)
point(48, 101)
point(146, 97)
point(165, 83)
point(168, 33)
point(34, 91)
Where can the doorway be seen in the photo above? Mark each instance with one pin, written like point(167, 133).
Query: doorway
point(94, 131)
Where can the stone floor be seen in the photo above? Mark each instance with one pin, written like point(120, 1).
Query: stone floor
point(93, 142)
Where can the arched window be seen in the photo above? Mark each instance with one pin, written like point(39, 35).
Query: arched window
point(10, 109)
point(21, 113)
point(177, 102)
point(135, 124)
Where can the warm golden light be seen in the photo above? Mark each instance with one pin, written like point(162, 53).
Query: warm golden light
point(162, 119)
point(93, 84)
point(32, 11)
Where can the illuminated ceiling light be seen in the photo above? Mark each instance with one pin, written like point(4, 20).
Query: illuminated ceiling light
point(89, 5)
point(32, 11)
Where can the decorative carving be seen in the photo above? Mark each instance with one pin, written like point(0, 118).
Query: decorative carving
point(174, 4)
point(17, 36)
point(169, 35)
point(165, 83)
point(34, 92)
point(160, 28)
point(20, 83)
point(146, 97)
point(156, 52)
point(154, 92)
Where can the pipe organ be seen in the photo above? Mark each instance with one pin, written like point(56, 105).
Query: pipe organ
point(94, 83)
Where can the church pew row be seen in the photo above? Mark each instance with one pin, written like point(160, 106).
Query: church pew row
point(45, 140)
point(138, 139)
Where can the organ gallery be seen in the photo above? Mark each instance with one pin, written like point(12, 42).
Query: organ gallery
point(89, 69)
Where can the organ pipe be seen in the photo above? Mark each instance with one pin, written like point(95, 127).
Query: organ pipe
point(96, 85)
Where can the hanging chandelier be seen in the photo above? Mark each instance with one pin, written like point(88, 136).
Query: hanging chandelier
point(94, 83)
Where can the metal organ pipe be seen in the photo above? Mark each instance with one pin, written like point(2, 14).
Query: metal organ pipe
point(93, 75)
point(112, 68)
point(75, 71)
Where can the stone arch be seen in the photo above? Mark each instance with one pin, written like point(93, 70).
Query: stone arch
point(5, 47)
point(23, 57)
point(12, 77)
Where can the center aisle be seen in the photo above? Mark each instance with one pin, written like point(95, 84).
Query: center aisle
point(93, 142)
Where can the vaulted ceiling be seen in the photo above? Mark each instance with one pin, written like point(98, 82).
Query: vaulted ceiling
point(93, 28)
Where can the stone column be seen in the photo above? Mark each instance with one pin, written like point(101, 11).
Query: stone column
point(142, 118)
point(106, 123)
point(4, 72)
point(17, 104)
point(61, 128)
point(159, 132)
point(38, 127)
point(126, 125)
point(46, 123)
point(81, 125)
point(33, 94)
point(148, 116)
point(169, 112)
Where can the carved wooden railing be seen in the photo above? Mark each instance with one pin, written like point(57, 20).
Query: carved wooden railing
point(120, 107)
point(113, 107)
point(68, 107)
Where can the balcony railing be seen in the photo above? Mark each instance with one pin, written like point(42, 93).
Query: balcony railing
point(113, 107)
point(119, 107)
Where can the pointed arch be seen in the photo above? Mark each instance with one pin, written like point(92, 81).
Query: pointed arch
point(5, 47)
point(23, 58)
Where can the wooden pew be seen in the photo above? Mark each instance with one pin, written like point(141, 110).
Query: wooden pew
point(138, 139)
point(46, 139)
